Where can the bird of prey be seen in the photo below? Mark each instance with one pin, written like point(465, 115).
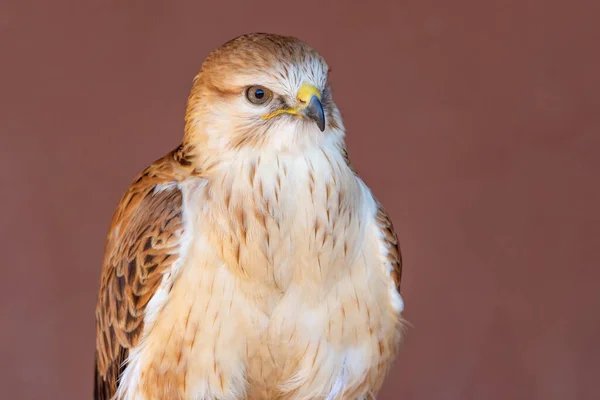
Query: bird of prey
point(251, 262)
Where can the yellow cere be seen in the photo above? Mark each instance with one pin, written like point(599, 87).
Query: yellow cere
point(304, 94)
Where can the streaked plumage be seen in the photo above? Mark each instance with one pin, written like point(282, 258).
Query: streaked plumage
point(251, 262)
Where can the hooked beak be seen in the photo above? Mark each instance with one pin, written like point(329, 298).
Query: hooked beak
point(314, 111)
point(309, 99)
point(310, 105)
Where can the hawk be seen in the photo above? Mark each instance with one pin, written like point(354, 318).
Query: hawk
point(251, 262)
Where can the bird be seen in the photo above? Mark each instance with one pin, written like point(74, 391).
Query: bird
point(251, 261)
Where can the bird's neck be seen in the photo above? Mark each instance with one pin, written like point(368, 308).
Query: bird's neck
point(271, 205)
point(267, 175)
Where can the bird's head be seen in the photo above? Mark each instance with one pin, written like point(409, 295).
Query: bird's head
point(262, 92)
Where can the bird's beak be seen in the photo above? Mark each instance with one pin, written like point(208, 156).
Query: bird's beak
point(310, 105)
point(309, 99)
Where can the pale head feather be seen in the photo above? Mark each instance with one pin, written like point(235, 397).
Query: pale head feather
point(220, 121)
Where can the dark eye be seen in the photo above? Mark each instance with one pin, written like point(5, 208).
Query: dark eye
point(258, 95)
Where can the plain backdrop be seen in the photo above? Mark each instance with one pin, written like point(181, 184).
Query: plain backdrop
point(476, 123)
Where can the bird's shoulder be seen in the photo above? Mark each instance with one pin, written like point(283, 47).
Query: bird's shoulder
point(143, 243)
point(392, 251)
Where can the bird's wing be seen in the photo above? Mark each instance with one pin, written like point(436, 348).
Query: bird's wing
point(392, 252)
point(143, 243)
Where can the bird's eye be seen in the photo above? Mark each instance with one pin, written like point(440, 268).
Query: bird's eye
point(258, 95)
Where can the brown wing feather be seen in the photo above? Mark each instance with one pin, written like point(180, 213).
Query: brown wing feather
point(394, 255)
point(142, 244)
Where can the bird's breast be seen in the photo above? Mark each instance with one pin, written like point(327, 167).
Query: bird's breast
point(279, 220)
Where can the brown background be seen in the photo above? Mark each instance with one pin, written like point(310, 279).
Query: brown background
point(475, 122)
